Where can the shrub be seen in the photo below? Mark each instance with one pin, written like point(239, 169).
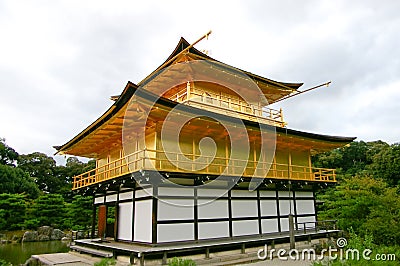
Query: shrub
point(181, 262)
point(106, 262)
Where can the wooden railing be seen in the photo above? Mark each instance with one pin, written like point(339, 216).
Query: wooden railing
point(158, 160)
point(324, 225)
point(235, 108)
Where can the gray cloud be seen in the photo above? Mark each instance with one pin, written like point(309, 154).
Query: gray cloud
point(62, 60)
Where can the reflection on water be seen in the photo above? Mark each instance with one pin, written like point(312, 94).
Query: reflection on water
point(19, 253)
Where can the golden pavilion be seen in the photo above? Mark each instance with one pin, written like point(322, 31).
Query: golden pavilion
point(156, 177)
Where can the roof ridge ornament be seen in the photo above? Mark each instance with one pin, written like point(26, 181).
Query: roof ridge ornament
point(186, 49)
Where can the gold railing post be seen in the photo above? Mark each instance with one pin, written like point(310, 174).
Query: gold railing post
point(137, 160)
point(177, 161)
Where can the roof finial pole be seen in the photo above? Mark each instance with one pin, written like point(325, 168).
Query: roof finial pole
point(186, 49)
point(300, 92)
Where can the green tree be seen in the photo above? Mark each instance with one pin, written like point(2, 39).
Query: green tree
point(14, 180)
point(366, 204)
point(332, 159)
point(383, 221)
point(42, 169)
point(8, 155)
point(65, 174)
point(386, 164)
point(49, 209)
point(79, 211)
point(5, 263)
point(348, 160)
point(12, 211)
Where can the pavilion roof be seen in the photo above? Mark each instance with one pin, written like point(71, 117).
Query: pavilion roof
point(272, 90)
point(106, 131)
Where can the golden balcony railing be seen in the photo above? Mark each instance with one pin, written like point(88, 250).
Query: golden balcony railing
point(157, 160)
point(228, 106)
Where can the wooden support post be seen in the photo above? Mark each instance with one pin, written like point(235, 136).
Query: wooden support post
point(291, 232)
point(93, 218)
point(207, 252)
point(164, 259)
point(132, 258)
point(141, 258)
point(243, 248)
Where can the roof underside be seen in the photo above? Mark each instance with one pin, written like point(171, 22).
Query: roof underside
point(106, 132)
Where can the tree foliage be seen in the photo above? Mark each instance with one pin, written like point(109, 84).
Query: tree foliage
point(12, 211)
point(375, 158)
point(49, 209)
point(366, 197)
point(78, 212)
point(386, 164)
point(8, 155)
point(42, 169)
point(36, 191)
point(15, 180)
point(365, 204)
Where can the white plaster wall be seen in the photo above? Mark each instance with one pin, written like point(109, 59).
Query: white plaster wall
point(268, 208)
point(213, 230)
point(171, 191)
point(267, 193)
point(243, 193)
point(269, 225)
point(99, 200)
point(213, 209)
point(302, 194)
point(126, 195)
point(285, 193)
point(143, 193)
point(284, 207)
point(175, 232)
point(241, 228)
point(306, 219)
point(111, 198)
point(285, 224)
point(143, 220)
point(244, 208)
point(211, 192)
point(305, 206)
point(125, 221)
point(175, 209)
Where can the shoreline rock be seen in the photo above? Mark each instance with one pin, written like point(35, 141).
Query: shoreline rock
point(44, 233)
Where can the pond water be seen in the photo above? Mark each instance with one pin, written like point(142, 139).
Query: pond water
point(19, 253)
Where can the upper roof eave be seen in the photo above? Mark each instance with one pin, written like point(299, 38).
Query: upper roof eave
point(182, 44)
point(122, 99)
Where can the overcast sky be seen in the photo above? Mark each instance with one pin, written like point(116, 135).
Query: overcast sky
point(61, 60)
